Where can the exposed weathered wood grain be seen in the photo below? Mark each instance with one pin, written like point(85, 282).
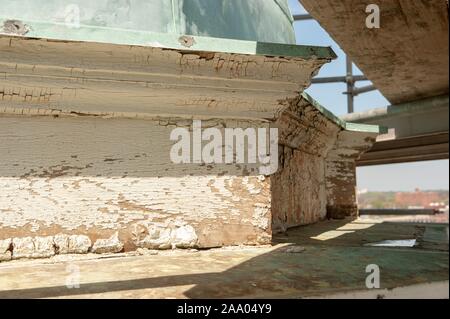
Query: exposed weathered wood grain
point(96, 78)
point(76, 174)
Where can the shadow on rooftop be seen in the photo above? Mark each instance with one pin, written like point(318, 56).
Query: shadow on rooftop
point(325, 266)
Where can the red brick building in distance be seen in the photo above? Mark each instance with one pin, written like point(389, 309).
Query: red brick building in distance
point(419, 199)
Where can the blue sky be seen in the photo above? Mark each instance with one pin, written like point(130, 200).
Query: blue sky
point(399, 177)
point(330, 95)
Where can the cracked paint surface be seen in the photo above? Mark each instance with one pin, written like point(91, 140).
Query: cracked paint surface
point(79, 77)
point(104, 174)
point(85, 147)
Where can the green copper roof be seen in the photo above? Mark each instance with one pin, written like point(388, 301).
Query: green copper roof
point(251, 20)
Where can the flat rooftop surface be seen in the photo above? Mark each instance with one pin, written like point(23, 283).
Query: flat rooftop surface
point(328, 259)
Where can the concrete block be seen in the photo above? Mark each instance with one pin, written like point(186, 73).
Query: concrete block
point(108, 246)
point(79, 244)
point(184, 237)
point(5, 249)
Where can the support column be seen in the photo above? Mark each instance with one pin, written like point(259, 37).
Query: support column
point(341, 172)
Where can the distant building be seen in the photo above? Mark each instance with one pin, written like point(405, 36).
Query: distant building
point(419, 199)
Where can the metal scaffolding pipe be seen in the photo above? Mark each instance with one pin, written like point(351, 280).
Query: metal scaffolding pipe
point(302, 17)
point(419, 106)
point(337, 79)
point(364, 89)
point(350, 86)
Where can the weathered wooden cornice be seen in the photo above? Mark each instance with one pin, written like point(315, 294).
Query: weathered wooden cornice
point(42, 76)
point(85, 133)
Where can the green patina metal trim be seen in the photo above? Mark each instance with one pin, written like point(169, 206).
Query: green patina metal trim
point(323, 110)
point(366, 128)
point(405, 109)
point(172, 41)
point(354, 127)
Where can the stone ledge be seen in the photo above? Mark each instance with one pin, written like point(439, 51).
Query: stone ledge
point(153, 238)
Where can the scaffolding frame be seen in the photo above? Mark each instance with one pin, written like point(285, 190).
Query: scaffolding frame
point(350, 79)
